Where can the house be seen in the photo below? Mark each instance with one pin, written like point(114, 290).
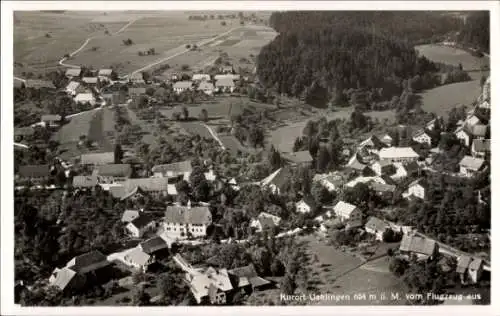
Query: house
point(226, 69)
point(347, 212)
point(306, 205)
point(332, 182)
point(422, 137)
point(173, 170)
point(140, 225)
point(51, 120)
point(153, 245)
point(265, 221)
point(471, 121)
point(464, 136)
point(36, 174)
point(90, 81)
point(84, 182)
point(383, 167)
point(302, 158)
point(143, 186)
point(201, 77)
point(386, 191)
point(182, 221)
point(73, 72)
point(248, 274)
point(470, 166)
point(398, 154)
point(404, 170)
point(357, 166)
point(210, 286)
point(387, 139)
point(129, 215)
point(431, 125)
point(66, 279)
point(97, 159)
point(418, 189)
point(136, 91)
point(88, 262)
point(112, 173)
point(377, 227)
point(479, 131)
point(373, 144)
point(136, 78)
point(206, 87)
point(138, 259)
point(181, 86)
point(469, 269)
point(368, 180)
point(423, 248)
point(85, 98)
point(107, 73)
point(481, 148)
point(277, 180)
point(225, 85)
point(73, 88)
point(233, 77)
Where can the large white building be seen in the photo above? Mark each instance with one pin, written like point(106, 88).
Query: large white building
point(398, 154)
point(347, 212)
point(181, 221)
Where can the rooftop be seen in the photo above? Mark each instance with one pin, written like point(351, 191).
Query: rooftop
point(298, 157)
point(34, 171)
point(344, 209)
point(114, 170)
point(185, 215)
point(97, 158)
point(398, 152)
point(418, 244)
point(82, 261)
point(470, 162)
point(181, 167)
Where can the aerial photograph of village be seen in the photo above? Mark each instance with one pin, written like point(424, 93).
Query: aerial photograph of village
point(185, 158)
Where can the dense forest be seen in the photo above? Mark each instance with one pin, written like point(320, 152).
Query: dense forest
point(475, 32)
point(319, 56)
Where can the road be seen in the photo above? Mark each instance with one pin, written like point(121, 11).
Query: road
point(214, 135)
point(20, 79)
point(164, 59)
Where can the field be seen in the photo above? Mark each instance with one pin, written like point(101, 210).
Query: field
point(452, 56)
point(196, 128)
point(284, 137)
point(232, 144)
point(67, 31)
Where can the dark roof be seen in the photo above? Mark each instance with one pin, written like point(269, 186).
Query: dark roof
point(309, 200)
point(142, 221)
point(281, 176)
point(182, 166)
point(186, 215)
point(114, 170)
point(147, 184)
point(411, 166)
point(153, 244)
point(266, 222)
point(82, 261)
point(380, 187)
point(97, 158)
point(84, 181)
point(481, 145)
point(249, 273)
point(376, 224)
point(34, 171)
point(418, 244)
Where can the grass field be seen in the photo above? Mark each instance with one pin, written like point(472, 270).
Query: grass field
point(452, 56)
point(196, 128)
point(232, 144)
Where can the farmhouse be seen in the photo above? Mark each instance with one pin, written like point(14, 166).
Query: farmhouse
point(481, 148)
point(331, 182)
point(276, 181)
point(136, 78)
point(470, 166)
point(136, 187)
point(97, 159)
point(469, 269)
point(398, 154)
point(210, 286)
point(73, 88)
point(73, 72)
point(88, 262)
point(248, 274)
point(422, 137)
point(112, 173)
point(265, 221)
point(181, 86)
point(130, 215)
point(173, 170)
point(153, 245)
point(51, 120)
point(383, 167)
point(183, 221)
point(138, 259)
point(206, 87)
point(422, 247)
point(90, 81)
point(302, 158)
point(417, 189)
point(376, 227)
point(347, 212)
point(306, 205)
point(84, 182)
point(201, 77)
point(140, 225)
point(373, 144)
point(85, 98)
point(225, 85)
point(105, 73)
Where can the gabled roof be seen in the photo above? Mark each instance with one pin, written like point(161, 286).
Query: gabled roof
point(344, 209)
point(309, 201)
point(479, 130)
point(147, 184)
point(420, 132)
point(105, 72)
point(470, 162)
point(63, 277)
point(130, 215)
point(137, 256)
point(224, 82)
point(201, 76)
point(373, 142)
point(249, 273)
point(181, 167)
point(204, 85)
point(90, 80)
point(298, 157)
point(381, 187)
point(397, 152)
point(34, 171)
point(376, 224)
point(277, 178)
point(183, 85)
point(421, 182)
point(51, 117)
point(84, 181)
point(476, 263)
point(82, 261)
point(417, 244)
point(72, 85)
point(186, 215)
point(74, 72)
point(463, 263)
point(97, 158)
point(142, 221)
point(481, 145)
point(153, 244)
point(355, 164)
point(114, 170)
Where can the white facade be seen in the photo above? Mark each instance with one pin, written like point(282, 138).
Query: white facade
point(417, 190)
point(423, 138)
point(464, 137)
point(328, 185)
point(302, 207)
point(139, 232)
point(398, 154)
point(346, 211)
point(180, 230)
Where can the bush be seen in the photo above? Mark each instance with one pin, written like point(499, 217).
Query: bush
point(223, 23)
point(185, 67)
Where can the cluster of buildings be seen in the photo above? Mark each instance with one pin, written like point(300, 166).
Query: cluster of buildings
point(85, 89)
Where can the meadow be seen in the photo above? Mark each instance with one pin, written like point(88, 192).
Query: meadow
point(452, 56)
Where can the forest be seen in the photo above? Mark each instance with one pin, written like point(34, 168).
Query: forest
point(319, 56)
point(475, 31)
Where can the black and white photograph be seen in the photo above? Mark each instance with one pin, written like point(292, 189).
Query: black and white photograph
point(253, 156)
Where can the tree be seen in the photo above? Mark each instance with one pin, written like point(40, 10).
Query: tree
point(223, 23)
point(287, 285)
point(204, 115)
point(185, 113)
point(256, 136)
point(118, 154)
point(398, 266)
point(274, 158)
point(320, 194)
point(323, 159)
point(176, 116)
point(140, 298)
